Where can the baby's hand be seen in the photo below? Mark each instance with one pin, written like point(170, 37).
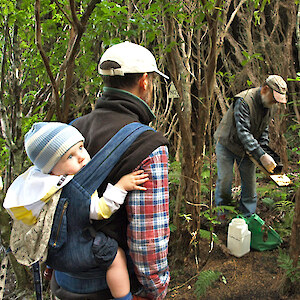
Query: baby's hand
point(133, 181)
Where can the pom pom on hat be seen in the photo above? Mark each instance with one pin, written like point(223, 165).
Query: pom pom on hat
point(47, 142)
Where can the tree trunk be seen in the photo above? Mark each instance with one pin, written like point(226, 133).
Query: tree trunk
point(287, 286)
point(188, 189)
point(22, 280)
point(295, 236)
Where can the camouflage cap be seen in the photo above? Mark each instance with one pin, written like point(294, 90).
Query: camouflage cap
point(279, 87)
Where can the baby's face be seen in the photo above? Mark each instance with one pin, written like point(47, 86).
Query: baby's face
point(72, 161)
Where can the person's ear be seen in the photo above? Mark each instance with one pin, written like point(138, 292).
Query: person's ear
point(144, 82)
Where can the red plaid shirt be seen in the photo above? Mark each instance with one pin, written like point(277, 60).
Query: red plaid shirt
point(148, 230)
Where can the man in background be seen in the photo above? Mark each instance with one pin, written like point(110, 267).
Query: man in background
point(242, 131)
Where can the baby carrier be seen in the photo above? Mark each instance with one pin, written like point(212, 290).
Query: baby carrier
point(71, 243)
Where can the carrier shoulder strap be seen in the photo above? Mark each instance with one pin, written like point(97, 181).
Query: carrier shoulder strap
point(94, 173)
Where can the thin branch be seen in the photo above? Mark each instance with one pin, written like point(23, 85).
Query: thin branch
point(222, 36)
point(90, 8)
point(216, 10)
point(76, 22)
point(136, 8)
point(64, 64)
point(197, 204)
point(3, 63)
point(44, 56)
point(298, 31)
point(4, 122)
point(172, 126)
point(203, 2)
point(80, 26)
point(74, 45)
point(182, 285)
point(276, 23)
point(64, 13)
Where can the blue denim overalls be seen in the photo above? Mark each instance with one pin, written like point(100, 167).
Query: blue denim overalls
point(71, 245)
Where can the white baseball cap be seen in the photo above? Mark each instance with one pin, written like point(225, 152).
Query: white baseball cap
point(131, 57)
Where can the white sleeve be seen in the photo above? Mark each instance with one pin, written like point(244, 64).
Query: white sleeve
point(104, 207)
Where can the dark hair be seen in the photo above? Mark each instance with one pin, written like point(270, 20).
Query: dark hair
point(119, 82)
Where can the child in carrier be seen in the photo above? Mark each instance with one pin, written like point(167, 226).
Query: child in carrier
point(57, 152)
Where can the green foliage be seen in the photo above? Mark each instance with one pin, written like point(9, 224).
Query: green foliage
point(269, 191)
point(174, 181)
point(206, 175)
point(284, 205)
point(292, 135)
point(285, 210)
point(249, 57)
point(174, 172)
point(259, 6)
point(28, 122)
point(295, 79)
point(172, 227)
point(205, 280)
point(279, 201)
point(249, 82)
point(212, 217)
point(269, 202)
point(286, 263)
point(208, 216)
point(205, 234)
point(226, 77)
point(4, 152)
point(186, 217)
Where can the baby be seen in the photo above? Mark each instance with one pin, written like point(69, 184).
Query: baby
point(57, 152)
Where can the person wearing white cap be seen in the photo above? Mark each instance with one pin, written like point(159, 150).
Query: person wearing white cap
point(129, 58)
point(57, 152)
point(141, 225)
point(242, 131)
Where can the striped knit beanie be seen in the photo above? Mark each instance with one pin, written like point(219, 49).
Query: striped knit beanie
point(46, 142)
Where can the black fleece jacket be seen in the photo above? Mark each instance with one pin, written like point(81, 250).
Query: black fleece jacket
point(115, 109)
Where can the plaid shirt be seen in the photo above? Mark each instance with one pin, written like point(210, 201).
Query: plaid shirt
point(148, 230)
point(242, 120)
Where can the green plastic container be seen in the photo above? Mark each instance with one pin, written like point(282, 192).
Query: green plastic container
point(262, 237)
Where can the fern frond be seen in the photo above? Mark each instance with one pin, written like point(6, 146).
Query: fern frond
point(286, 263)
point(284, 205)
point(205, 279)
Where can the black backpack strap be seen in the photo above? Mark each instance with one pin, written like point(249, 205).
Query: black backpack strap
point(37, 278)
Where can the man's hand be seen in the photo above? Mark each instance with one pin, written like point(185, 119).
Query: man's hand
point(268, 162)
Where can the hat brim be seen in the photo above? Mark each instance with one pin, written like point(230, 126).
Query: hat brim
point(281, 98)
